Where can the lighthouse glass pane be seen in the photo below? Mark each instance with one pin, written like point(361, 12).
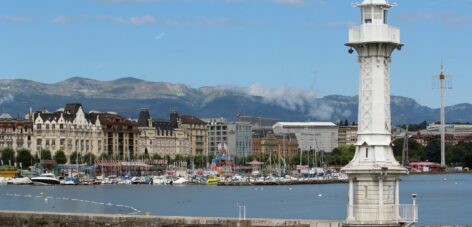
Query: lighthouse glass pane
point(368, 15)
point(378, 14)
point(385, 16)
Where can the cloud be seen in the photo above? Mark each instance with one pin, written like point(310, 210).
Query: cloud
point(445, 18)
point(68, 19)
point(147, 19)
point(285, 2)
point(15, 19)
point(127, 1)
point(6, 98)
point(290, 98)
point(136, 20)
point(160, 36)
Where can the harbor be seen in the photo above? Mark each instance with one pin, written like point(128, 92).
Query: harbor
point(307, 202)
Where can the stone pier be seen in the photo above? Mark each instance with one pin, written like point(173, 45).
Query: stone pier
point(27, 218)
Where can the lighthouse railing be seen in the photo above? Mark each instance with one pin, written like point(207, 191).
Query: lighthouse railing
point(381, 214)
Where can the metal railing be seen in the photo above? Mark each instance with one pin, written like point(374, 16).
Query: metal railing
point(374, 33)
point(376, 214)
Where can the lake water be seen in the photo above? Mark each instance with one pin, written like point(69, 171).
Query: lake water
point(442, 199)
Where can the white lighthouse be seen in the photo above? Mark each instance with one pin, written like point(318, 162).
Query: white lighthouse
point(374, 174)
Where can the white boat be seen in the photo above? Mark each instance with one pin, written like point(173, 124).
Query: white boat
point(70, 181)
point(45, 179)
point(19, 181)
point(180, 181)
point(3, 180)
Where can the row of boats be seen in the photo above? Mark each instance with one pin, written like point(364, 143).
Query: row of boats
point(51, 179)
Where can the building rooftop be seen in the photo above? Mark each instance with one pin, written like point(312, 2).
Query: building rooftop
point(305, 124)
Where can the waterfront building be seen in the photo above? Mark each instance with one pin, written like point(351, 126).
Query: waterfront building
point(347, 135)
point(119, 135)
point(374, 174)
point(236, 135)
point(68, 129)
point(266, 141)
point(320, 136)
point(15, 133)
point(162, 137)
point(454, 133)
point(197, 133)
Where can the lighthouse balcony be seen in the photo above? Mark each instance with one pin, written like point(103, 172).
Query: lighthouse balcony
point(374, 33)
point(382, 214)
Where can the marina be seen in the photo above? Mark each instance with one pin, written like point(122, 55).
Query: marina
point(314, 202)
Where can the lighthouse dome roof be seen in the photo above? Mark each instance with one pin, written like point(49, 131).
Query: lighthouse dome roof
point(374, 2)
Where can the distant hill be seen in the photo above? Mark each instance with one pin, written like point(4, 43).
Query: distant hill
point(127, 95)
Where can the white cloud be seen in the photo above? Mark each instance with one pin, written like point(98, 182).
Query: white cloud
point(68, 19)
point(285, 2)
point(445, 18)
point(160, 36)
point(290, 98)
point(147, 19)
point(15, 19)
point(7, 98)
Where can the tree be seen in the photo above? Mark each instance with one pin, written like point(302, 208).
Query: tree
point(46, 155)
point(60, 157)
point(8, 156)
point(433, 150)
point(89, 158)
point(104, 156)
point(74, 157)
point(25, 158)
point(156, 157)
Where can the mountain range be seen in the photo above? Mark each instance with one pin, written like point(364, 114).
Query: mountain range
point(127, 95)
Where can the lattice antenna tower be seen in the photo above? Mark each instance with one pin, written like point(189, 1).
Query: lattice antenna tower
point(445, 83)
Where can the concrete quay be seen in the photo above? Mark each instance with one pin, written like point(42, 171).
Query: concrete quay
point(46, 219)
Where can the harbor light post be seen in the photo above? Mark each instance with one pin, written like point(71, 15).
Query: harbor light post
point(373, 173)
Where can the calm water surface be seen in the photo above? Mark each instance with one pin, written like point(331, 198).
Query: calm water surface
point(442, 199)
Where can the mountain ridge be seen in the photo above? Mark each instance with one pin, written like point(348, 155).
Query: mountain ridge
point(127, 95)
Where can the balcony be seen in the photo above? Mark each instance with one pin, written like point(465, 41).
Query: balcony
point(374, 33)
point(375, 214)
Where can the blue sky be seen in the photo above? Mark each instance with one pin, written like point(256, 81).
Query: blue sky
point(275, 43)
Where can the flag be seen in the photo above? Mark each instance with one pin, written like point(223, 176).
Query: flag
point(238, 115)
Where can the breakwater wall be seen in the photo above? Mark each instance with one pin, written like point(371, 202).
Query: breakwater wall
point(295, 182)
point(45, 219)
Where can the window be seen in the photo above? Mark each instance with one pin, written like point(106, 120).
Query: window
point(367, 153)
point(61, 126)
point(38, 126)
point(385, 16)
point(367, 15)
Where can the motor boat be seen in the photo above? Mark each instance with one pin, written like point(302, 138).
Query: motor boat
point(70, 181)
point(180, 181)
point(45, 179)
point(19, 181)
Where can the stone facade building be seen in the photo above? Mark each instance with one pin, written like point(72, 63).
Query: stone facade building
point(266, 141)
point(68, 129)
point(120, 135)
point(347, 135)
point(15, 133)
point(197, 133)
point(162, 137)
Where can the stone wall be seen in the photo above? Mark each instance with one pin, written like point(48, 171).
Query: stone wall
point(22, 218)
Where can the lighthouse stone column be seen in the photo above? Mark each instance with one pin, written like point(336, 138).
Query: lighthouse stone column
point(373, 172)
